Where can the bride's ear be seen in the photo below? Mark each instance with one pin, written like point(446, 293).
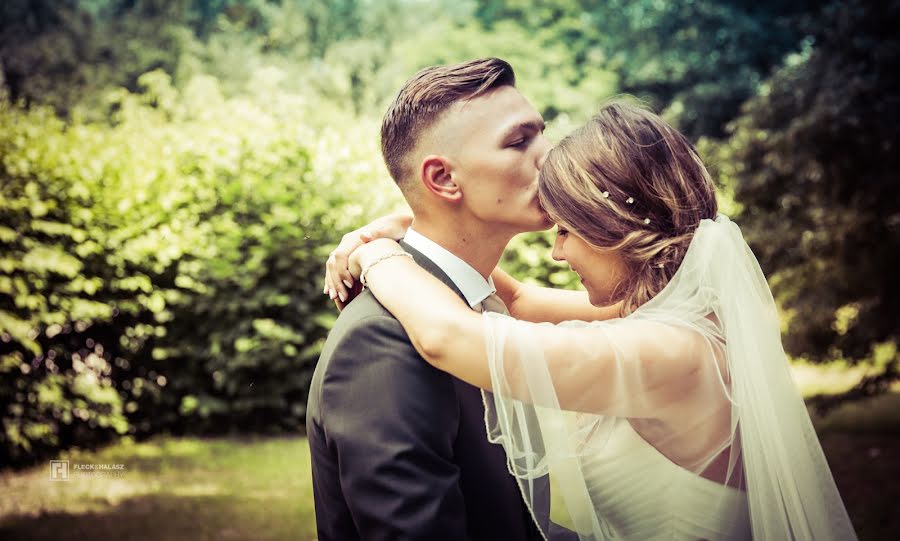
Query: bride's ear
point(437, 177)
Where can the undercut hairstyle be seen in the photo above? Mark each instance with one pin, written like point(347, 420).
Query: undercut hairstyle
point(422, 101)
point(630, 183)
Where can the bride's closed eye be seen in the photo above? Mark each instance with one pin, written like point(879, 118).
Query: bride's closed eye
point(560, 232)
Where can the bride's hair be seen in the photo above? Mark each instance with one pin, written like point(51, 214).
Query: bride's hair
point(629, 182)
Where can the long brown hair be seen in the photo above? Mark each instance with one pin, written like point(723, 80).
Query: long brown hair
point(630, 183)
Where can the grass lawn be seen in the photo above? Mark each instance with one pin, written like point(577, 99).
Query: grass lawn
point(171, 489)
point(260, 489)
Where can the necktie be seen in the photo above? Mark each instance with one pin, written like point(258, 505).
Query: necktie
point(493, 303)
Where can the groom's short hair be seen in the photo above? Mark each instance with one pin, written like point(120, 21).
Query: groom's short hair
point(425, 97)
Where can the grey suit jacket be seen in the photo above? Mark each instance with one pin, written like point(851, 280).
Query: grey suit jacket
point(399, 449)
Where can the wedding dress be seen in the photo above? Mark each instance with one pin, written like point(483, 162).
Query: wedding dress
point(644, 495)
point(680, 421)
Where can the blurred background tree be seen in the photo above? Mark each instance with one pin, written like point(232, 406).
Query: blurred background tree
point(172, 174)
point(813, 160)
point(694, 61)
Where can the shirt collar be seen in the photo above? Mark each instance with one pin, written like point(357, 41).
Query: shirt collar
point(472, 284)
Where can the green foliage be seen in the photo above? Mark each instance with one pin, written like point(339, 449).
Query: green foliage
point(53, 286)
point(171, 257)
point(813, 161)
point(527, 257)
point(385, 44)
point(172, 175)
point(242, 350)
point(545, 72)
point(66, 53)
point(696, 60)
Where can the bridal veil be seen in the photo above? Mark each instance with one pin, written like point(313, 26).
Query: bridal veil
point(698, 371)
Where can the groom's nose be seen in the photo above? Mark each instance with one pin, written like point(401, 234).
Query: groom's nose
point(543, 148)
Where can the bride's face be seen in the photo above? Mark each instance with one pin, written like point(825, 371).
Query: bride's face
point(601, 271)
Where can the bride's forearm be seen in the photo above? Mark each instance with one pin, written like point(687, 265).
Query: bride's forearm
point(539, 304)
point(508, 288)
point(446, 332)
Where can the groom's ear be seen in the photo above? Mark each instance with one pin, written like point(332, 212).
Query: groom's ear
point(437, 177)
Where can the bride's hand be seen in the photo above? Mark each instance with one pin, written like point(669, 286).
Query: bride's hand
point(340, 284)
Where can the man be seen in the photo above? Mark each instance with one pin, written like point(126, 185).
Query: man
point(399, 449)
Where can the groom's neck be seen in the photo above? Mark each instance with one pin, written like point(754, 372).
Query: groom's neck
point(472, 243)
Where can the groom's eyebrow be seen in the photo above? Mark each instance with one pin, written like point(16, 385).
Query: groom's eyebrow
point(529, 125)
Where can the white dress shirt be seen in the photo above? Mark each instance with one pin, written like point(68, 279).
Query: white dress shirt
point(468, 280)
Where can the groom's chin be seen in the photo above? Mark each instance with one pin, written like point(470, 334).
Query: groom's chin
point(545, 222)
point(532, 220)
point(537, 227)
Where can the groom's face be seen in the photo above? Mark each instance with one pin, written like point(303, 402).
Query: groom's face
point(498, 147)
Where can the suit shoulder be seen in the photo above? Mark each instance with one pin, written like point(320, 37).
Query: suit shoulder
point(368, 357)
point(364, 310)
point(366, 332)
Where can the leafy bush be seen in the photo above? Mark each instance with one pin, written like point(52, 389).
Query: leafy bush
point(162, 270)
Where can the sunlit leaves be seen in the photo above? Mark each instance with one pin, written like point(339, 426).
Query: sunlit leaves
point(203, 216)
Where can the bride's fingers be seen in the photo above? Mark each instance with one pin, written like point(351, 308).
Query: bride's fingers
point(354, 291)
point(333, 287)
point(339, 281)
point(344, 274)
point(328, 273)
point(338, 263)
point(349, 242)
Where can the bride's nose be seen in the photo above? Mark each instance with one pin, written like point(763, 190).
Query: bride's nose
point(557, 253)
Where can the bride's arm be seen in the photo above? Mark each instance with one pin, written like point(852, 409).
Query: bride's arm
point(588, 370)
point(442, 328)
point(524, 301)
point(539, 304)
point(339, 283)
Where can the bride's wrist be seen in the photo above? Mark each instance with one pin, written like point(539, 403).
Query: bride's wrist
point(367, 254)
point(386, 255)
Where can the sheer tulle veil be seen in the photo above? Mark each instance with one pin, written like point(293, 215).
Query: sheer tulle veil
point(761, 441)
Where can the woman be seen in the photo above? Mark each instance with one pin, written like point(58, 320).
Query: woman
point(677, 420)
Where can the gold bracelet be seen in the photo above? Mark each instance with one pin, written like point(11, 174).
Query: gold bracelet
point(362, 276)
